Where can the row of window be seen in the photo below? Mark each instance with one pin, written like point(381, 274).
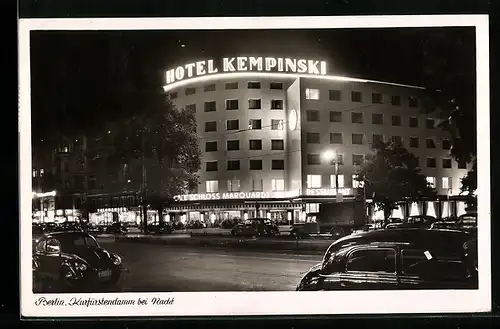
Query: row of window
point(253, 144)
point(234, 104)
point(255, 164)
point(360, 139)
point(253, 124)
point(357, 97)
point(358, 159)
point(233, 185)
point(228, 86)
point(377, 119)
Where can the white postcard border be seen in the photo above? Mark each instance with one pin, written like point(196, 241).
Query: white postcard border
point(263, 303)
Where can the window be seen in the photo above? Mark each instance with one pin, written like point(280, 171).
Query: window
point(210, 87)
point(356, 117)
point(233, 124)
point(340, 179)
point(429, 123)
point(277, 144)
point(313, 181)
point(376, 98)
point(233, 185)
point(276, 104)
point(34, 173)
point(312, 93)
point(440, 265)
point(358, 159)
point(396, 120)
point(396, 100)
point(212, 186)
point(413, 122)
point(190, 91)
point(255, 124)
point(231, 85)
point(233, 165)
point(431, 162)
point(313, 159)
point(232, 104)
point(278, 164)
point(254, 104)
point(355, 182)
point(255, 164)
point(312, 115)
point(413, 102)
point(255, 144)
point(445, 182)
point(336, 138)
point(446, 144)
point(254, 85)
point(278, 185)
point(446, 163)
point(191, 108)
point(356, 96)
point(335, 116)
point(276, 124)
point(462, 165)
point(257, 185)
point(357, 139)
point(233, 145)
point(377, 118)
point(173, 95)
point(312, 138)
point(372, 260)
point(414, 142)
point(211, 146)
point(430, 143)
point(334, 95)
point(210, 106)
point(211, 166)
point(276, 85)
point(377, 139)
point(397, 140)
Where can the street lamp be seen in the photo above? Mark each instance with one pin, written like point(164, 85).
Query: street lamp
point(329, 156)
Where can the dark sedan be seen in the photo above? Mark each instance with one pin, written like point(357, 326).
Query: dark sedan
point(74, 262)
point(164, 228)
point(418, 221)
point(116, 228)
point(400, 259)
point(256, 227)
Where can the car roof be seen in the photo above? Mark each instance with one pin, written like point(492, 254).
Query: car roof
point(407, 236)
point(68, 233)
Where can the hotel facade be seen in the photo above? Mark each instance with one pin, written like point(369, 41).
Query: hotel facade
point(263, 131)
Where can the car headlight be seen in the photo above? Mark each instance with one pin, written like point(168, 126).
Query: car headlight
point(117, 260)
point(80, 266)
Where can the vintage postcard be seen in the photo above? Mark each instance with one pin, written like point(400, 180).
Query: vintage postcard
point(254, 166)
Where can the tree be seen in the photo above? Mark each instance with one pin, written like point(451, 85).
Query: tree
point(158, 147)
point(391, 175)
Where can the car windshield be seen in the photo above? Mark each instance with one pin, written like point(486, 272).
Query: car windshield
point(74, 241)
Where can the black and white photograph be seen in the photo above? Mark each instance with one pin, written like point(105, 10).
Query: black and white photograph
point(184, 164)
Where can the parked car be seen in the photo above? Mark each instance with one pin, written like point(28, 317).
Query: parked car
point(418, 221)
point(164, 228)
point(49, 227)
point(467, 222)
point(256, 227)
point(75, 262)
point(396, 259)
point(69, 226)
point(116, 228)
point(440, 225)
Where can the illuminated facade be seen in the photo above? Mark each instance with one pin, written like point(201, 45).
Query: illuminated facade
point(263, 134)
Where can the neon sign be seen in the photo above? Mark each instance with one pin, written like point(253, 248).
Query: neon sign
point(246, 64)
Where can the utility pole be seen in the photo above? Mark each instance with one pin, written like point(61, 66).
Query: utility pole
point(144, 188)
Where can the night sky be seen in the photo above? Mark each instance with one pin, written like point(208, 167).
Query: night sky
point(78, 76)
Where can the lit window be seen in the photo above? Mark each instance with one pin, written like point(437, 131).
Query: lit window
point(313, 181)
point(312, 208)
point(278, 185)
point(340, 179)
point(212, 186)
point(446, 182)
point(41, 172)
point(431, 181)
point(312, 93)
point(356, 183)
point(34, 173)
point(233, 185)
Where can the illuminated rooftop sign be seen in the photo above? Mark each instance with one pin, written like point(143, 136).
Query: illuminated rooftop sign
point(246, 64)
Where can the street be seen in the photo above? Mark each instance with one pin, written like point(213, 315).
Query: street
point(175, 268)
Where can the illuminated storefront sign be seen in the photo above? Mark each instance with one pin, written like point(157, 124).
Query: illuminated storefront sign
point(234, 196)
point(328, 191)
point(246, 64)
